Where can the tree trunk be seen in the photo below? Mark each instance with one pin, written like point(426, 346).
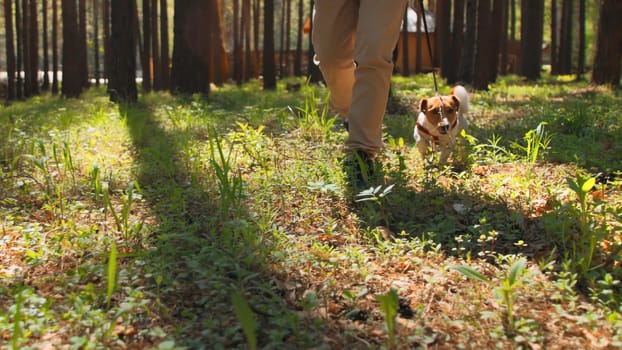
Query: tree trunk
point(237, 45)
point(496, 37)
point(19, 40)
point(10, 50)
point(249, 67)
point(565, 38)
point(483, 46)
point(26, 46)
point(503, 43)
point(96, 41)
point(607, 68)
point(190, 72)
point(282, 41)
point(34, 48)
point(443, 34)
point(155, 47)
point(269, 72)
point(164, 46)
point(554, 39)
point(298, 55)
point(146, 48)
point(106, 25)
point(465, 72)
point(84, 71)
point(122, 79)
point(456, 42)
point(55, 66)
point(532, 14)
point(313, 71)
point(581, 53)
point(46, 58)
point(72, 77)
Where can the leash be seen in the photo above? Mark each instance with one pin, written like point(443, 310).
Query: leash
point(427, 37)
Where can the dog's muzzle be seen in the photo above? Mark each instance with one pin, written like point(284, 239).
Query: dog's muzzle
point(444, 127)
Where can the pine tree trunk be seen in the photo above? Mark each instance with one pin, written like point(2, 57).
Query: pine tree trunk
point(83, 54)
point(532, 13)
point(96, 41)
point(190, 71)
point(10, 50)
point(72, 77)
point(145, 53)
point(607, 67)
point(298, 55)
point(164, 46)
point(46, 58)
point(269, 72)
point(122, 79)
point(155, 47)
point(55, 66)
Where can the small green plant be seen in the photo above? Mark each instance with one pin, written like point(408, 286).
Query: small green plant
point(229, 181)
point(506, 293)
point(122, 221)
point(313, 122)
point(112, 273)
point(389, 305)
point(246, 318)
point(377, 196)
point(584, 248)
point(536, 143)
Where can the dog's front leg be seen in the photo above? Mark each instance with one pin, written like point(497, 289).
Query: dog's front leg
point(422, 146)
point(445, 151)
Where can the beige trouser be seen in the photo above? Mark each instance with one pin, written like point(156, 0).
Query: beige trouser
point(354, 41)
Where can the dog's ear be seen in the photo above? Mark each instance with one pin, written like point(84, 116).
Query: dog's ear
point(456, 100)
point(423, 105)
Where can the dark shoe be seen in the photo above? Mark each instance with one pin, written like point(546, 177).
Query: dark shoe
point(360, 169)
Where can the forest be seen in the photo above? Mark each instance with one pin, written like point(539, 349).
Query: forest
point(172, 176)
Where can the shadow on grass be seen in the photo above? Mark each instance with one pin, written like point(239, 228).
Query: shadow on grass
point(204, 255)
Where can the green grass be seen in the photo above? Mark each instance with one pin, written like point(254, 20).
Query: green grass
point(229, 223)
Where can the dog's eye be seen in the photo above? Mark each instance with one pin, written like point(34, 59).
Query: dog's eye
point(435, 111)
point(450, 110)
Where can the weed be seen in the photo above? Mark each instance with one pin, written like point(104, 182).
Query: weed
point(507, 292)
point(246, 318)
point(389, 304)
point(536, 144)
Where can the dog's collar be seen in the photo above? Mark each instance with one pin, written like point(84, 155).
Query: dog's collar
point(435, 137)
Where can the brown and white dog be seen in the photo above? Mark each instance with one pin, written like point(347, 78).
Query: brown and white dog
point(440, 120)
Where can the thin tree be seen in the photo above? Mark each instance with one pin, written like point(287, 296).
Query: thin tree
point(164, 46)
point(442, 31)
point(19, 36)
point(155, 47)
point(532, 16)
point(96, 70)
point(456, 43)
point(146, 47)
point(106, 33)
point(83, 54)
point(497, 36)
point(581, 49)
point(72, 75)
point(465, 72)
point(237, 43)
point(26, 47)
point(554, 47)
point(55, 60)
point(607, 67)
point(483, 46)
point(46, 58)
point(34, 47)
point(249, 67)
point(10, 49)
point(299, 32)
point(282, 41)
point(122, 78)
point(565, 38)
point(269, 71)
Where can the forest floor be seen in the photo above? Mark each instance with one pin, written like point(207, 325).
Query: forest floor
point(185, 223)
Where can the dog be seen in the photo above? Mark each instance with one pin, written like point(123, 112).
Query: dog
point(440, 120)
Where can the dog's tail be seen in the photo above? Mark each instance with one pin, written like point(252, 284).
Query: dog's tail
point(463, 96)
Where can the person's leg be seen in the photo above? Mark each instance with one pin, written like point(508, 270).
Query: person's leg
point(377, 32)
point(334, 27)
